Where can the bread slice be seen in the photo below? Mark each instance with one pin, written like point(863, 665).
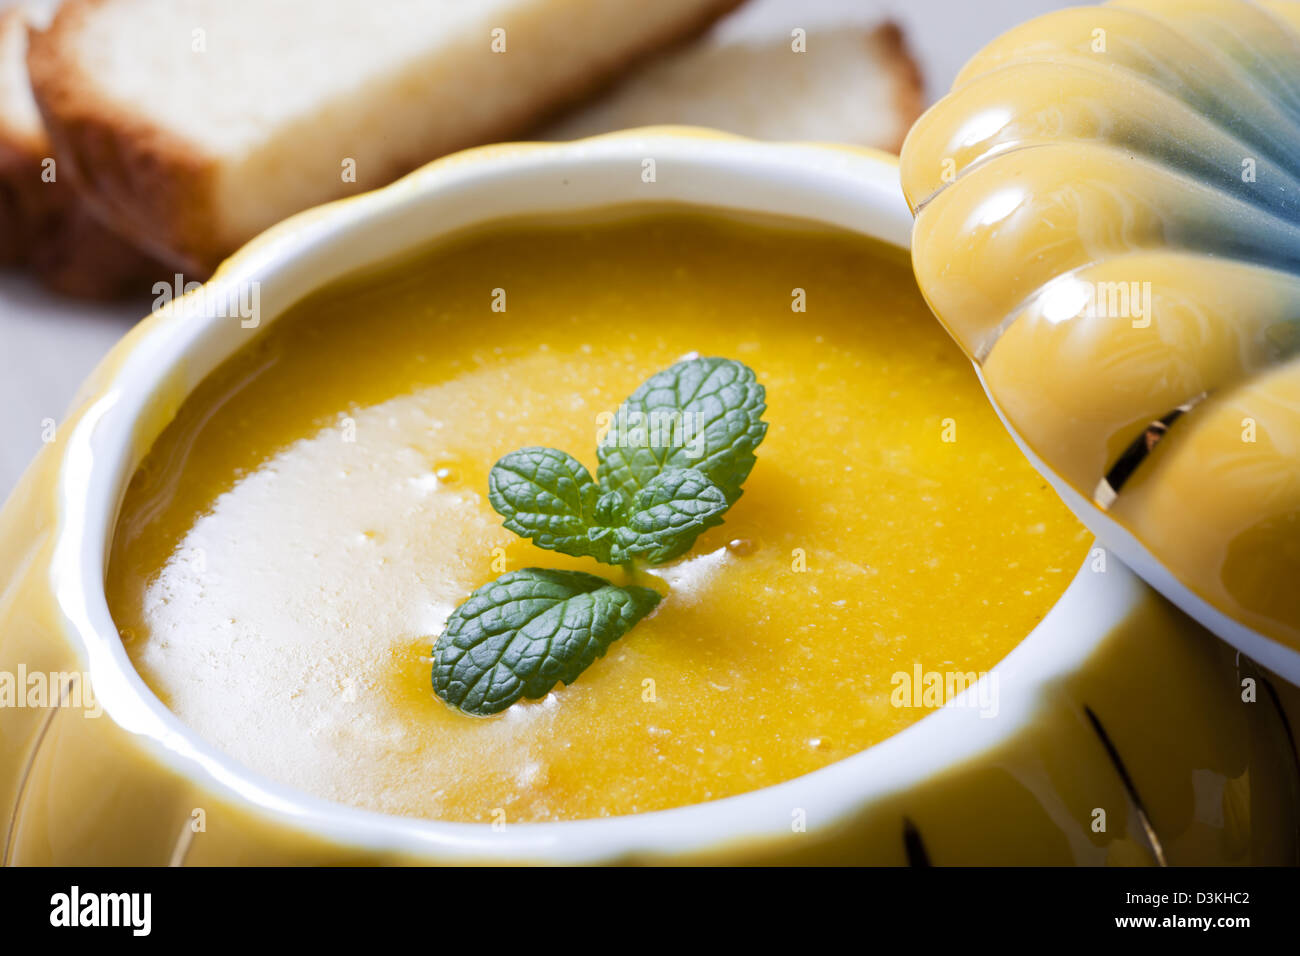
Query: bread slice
point(854, 84)
point(21, 137)
point(43, 223)
point(194, 124)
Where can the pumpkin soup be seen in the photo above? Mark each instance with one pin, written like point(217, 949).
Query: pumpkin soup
point(294, 542)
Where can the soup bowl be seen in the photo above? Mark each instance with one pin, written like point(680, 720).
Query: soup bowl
point(1124, 732)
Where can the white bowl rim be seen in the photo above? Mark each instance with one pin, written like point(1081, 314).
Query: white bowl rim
point(853, 189)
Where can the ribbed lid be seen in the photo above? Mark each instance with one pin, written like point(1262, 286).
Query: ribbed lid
point(1108, 222)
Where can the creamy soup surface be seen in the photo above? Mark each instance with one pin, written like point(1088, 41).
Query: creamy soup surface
point(294, 541)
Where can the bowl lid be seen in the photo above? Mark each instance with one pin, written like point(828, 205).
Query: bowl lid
point(1108, 222)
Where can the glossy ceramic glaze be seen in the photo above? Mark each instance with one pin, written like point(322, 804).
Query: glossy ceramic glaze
point(1107, 223)
point(341, 465)
point(1125, 733)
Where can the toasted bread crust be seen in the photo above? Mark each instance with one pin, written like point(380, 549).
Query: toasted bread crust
point(882, 44)
point(909, 98)
point(45, 226)
point(17, 147)
point(158, 188)
point(20, 203)
point(154, 187)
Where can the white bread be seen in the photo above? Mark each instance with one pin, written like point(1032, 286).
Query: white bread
point(194, 124)
point(855, 84)
point(22, 142)
point(20, 122)
point(44, 225)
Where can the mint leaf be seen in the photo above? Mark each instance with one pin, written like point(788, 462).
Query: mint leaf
point(702, 413)
point(667, 515)
point(527, 630)
point(550, 497)
point(671, 464)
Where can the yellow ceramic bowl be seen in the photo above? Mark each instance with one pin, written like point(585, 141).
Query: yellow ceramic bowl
point(1106, 222)
point(1126, 734)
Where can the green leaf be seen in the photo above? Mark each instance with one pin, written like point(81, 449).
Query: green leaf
point(667, 515)
point(527, 630)
point(671, 464)
point(550, 497)
point(702, 413)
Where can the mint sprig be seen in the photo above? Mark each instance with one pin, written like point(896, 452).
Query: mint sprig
point(710, 410)
point(667, 515)
point(522, 633)
point(550, 497)
point(671, 464)
point(698, 422)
